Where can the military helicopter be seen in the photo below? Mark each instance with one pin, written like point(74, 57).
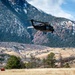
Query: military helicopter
point(42, 26)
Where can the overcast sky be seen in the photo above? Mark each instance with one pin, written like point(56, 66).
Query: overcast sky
point(59, 8)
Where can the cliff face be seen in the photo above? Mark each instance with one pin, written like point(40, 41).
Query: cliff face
point(14, 20)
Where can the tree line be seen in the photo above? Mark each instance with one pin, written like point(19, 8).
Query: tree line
point(50, 62)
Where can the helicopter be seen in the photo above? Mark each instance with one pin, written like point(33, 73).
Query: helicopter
point(42, 26)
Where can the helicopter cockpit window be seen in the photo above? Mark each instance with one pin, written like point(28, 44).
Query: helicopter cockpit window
point(38, 24)
point(47, 27)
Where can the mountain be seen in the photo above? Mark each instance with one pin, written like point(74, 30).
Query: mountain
point(14, 20)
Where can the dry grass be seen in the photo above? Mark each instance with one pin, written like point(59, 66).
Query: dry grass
point(45, 71)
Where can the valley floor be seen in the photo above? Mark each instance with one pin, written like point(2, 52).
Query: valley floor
point(46, 71)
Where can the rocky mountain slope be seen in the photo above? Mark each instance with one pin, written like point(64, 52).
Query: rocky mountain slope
point(14, 20)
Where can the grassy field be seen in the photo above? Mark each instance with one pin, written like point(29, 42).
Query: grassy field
point(60, 71)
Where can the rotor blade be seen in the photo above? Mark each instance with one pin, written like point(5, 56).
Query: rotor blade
point(30, 27)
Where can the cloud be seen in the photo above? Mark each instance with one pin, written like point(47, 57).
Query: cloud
point(51, 7)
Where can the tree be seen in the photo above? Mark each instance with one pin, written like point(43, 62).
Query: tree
point(50, 60)
point(33, 63)
point(28, 65)
point(44, 62)
point(67, 65)
point(14, 63)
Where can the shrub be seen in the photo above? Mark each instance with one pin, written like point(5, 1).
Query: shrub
point(14, 63)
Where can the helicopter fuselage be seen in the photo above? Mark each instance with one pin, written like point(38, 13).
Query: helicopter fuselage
point(44, 26)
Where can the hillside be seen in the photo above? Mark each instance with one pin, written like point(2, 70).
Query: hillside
point(38, 51)
point(14, 20)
